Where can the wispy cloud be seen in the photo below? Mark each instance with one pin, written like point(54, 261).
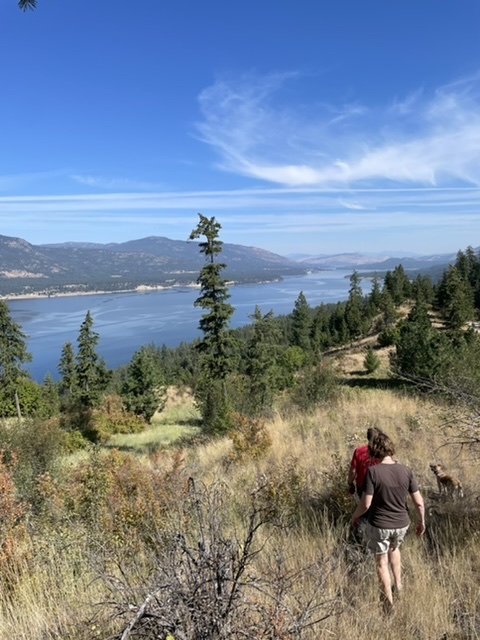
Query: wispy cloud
point(11, 182)
point(115, 184)
point(424, 140)
point(353, 205)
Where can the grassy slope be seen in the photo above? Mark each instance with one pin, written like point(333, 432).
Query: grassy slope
point(307, 461)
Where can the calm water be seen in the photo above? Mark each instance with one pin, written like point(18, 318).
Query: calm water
point(127, 321)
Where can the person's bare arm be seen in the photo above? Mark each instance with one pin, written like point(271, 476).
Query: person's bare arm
point(420, 512)
point(362, 508)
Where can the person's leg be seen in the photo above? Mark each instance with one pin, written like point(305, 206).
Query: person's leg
point(383, 572)
point(395, 561)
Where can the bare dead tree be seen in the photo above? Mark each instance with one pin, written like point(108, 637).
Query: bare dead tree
point(215, 582)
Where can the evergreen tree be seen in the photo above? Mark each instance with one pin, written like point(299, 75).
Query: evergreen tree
point(91, 372)
point(262, 356)
point(422, 290)
point(144, 390)
point(67, 369)
point(389, 313)
point(375, 296)
point(371, 361)
point(421, 351)
point(216, 345)
point(215, 322)
point(338, 325)
point(301, 318)
point(457, 299)
point(13, 355)
point(50, 398)
point(354, 309)
point(320, 337)
point(398, 284)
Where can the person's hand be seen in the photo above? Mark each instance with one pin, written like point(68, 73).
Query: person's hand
point(420, 529)
point(355, 522)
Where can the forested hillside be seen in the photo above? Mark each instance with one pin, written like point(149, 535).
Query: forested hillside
point(27, 269)
point(200, 491)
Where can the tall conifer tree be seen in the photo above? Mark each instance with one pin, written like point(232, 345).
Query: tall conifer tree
point(215, 346)
point(92, 374)
point(301, 323)
point(13, 355)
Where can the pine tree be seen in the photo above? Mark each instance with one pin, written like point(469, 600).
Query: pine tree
point(215, 346)
point(215, 322)
point(91, 372)
point(320, 332)
point(371, 361)
point(301, 317)
point(375, 296)
point(354, 308)
point(262, 356)
point(67, 369)
point(422, 352)
point(50, 398)
point(144, 390)
point(398, 284)
point(13, 355)
point(458, 299)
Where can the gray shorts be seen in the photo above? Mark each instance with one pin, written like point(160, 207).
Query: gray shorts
point(381, 540)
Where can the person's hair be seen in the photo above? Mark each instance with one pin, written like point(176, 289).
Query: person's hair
point(371, 433)
point(381, 446)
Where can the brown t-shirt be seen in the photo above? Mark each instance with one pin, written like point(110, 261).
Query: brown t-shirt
point(389, 484)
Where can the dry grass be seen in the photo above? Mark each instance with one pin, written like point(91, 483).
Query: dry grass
point(303, 472)
point(441, 593)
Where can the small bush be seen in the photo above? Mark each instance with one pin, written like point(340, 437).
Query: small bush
point(371, 361)
point(112, 417)
point(388, 337)
point(249, 436)
point(315, 385)
point(37, 446)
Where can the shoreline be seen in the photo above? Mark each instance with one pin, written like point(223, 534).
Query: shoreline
point(140, 289)
point(72, 294)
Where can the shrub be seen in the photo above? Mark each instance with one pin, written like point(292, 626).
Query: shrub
point(388, 337)
point(112, 417)
point(120, 500)
point(249, 436)
point(37, 446)
point(371, 361)
point(12, 523)
point(315, 385)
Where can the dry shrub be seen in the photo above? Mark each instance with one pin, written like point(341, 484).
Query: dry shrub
point(316, 385)
point(207, 583)
point(118, 498)
point(112, 417)
point(250, 438)
point(284, 491)
point(13, 533)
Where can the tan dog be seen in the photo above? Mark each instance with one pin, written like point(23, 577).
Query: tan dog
point(447, 485)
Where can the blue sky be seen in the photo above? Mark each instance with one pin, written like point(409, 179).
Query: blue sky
point(303, 127)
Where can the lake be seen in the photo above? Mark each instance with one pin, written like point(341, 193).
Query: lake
point(126, 321)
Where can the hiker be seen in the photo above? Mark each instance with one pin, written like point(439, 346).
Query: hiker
point(385, 501)
point(361, 461)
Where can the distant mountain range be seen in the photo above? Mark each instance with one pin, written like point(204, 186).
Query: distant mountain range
point(149, 262)
point(376, 262)
point(75, 267)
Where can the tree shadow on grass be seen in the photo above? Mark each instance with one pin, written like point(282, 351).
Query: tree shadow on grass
point(374, 383)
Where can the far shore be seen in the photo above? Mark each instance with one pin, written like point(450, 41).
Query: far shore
point(70, 294)
point(140, 289)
